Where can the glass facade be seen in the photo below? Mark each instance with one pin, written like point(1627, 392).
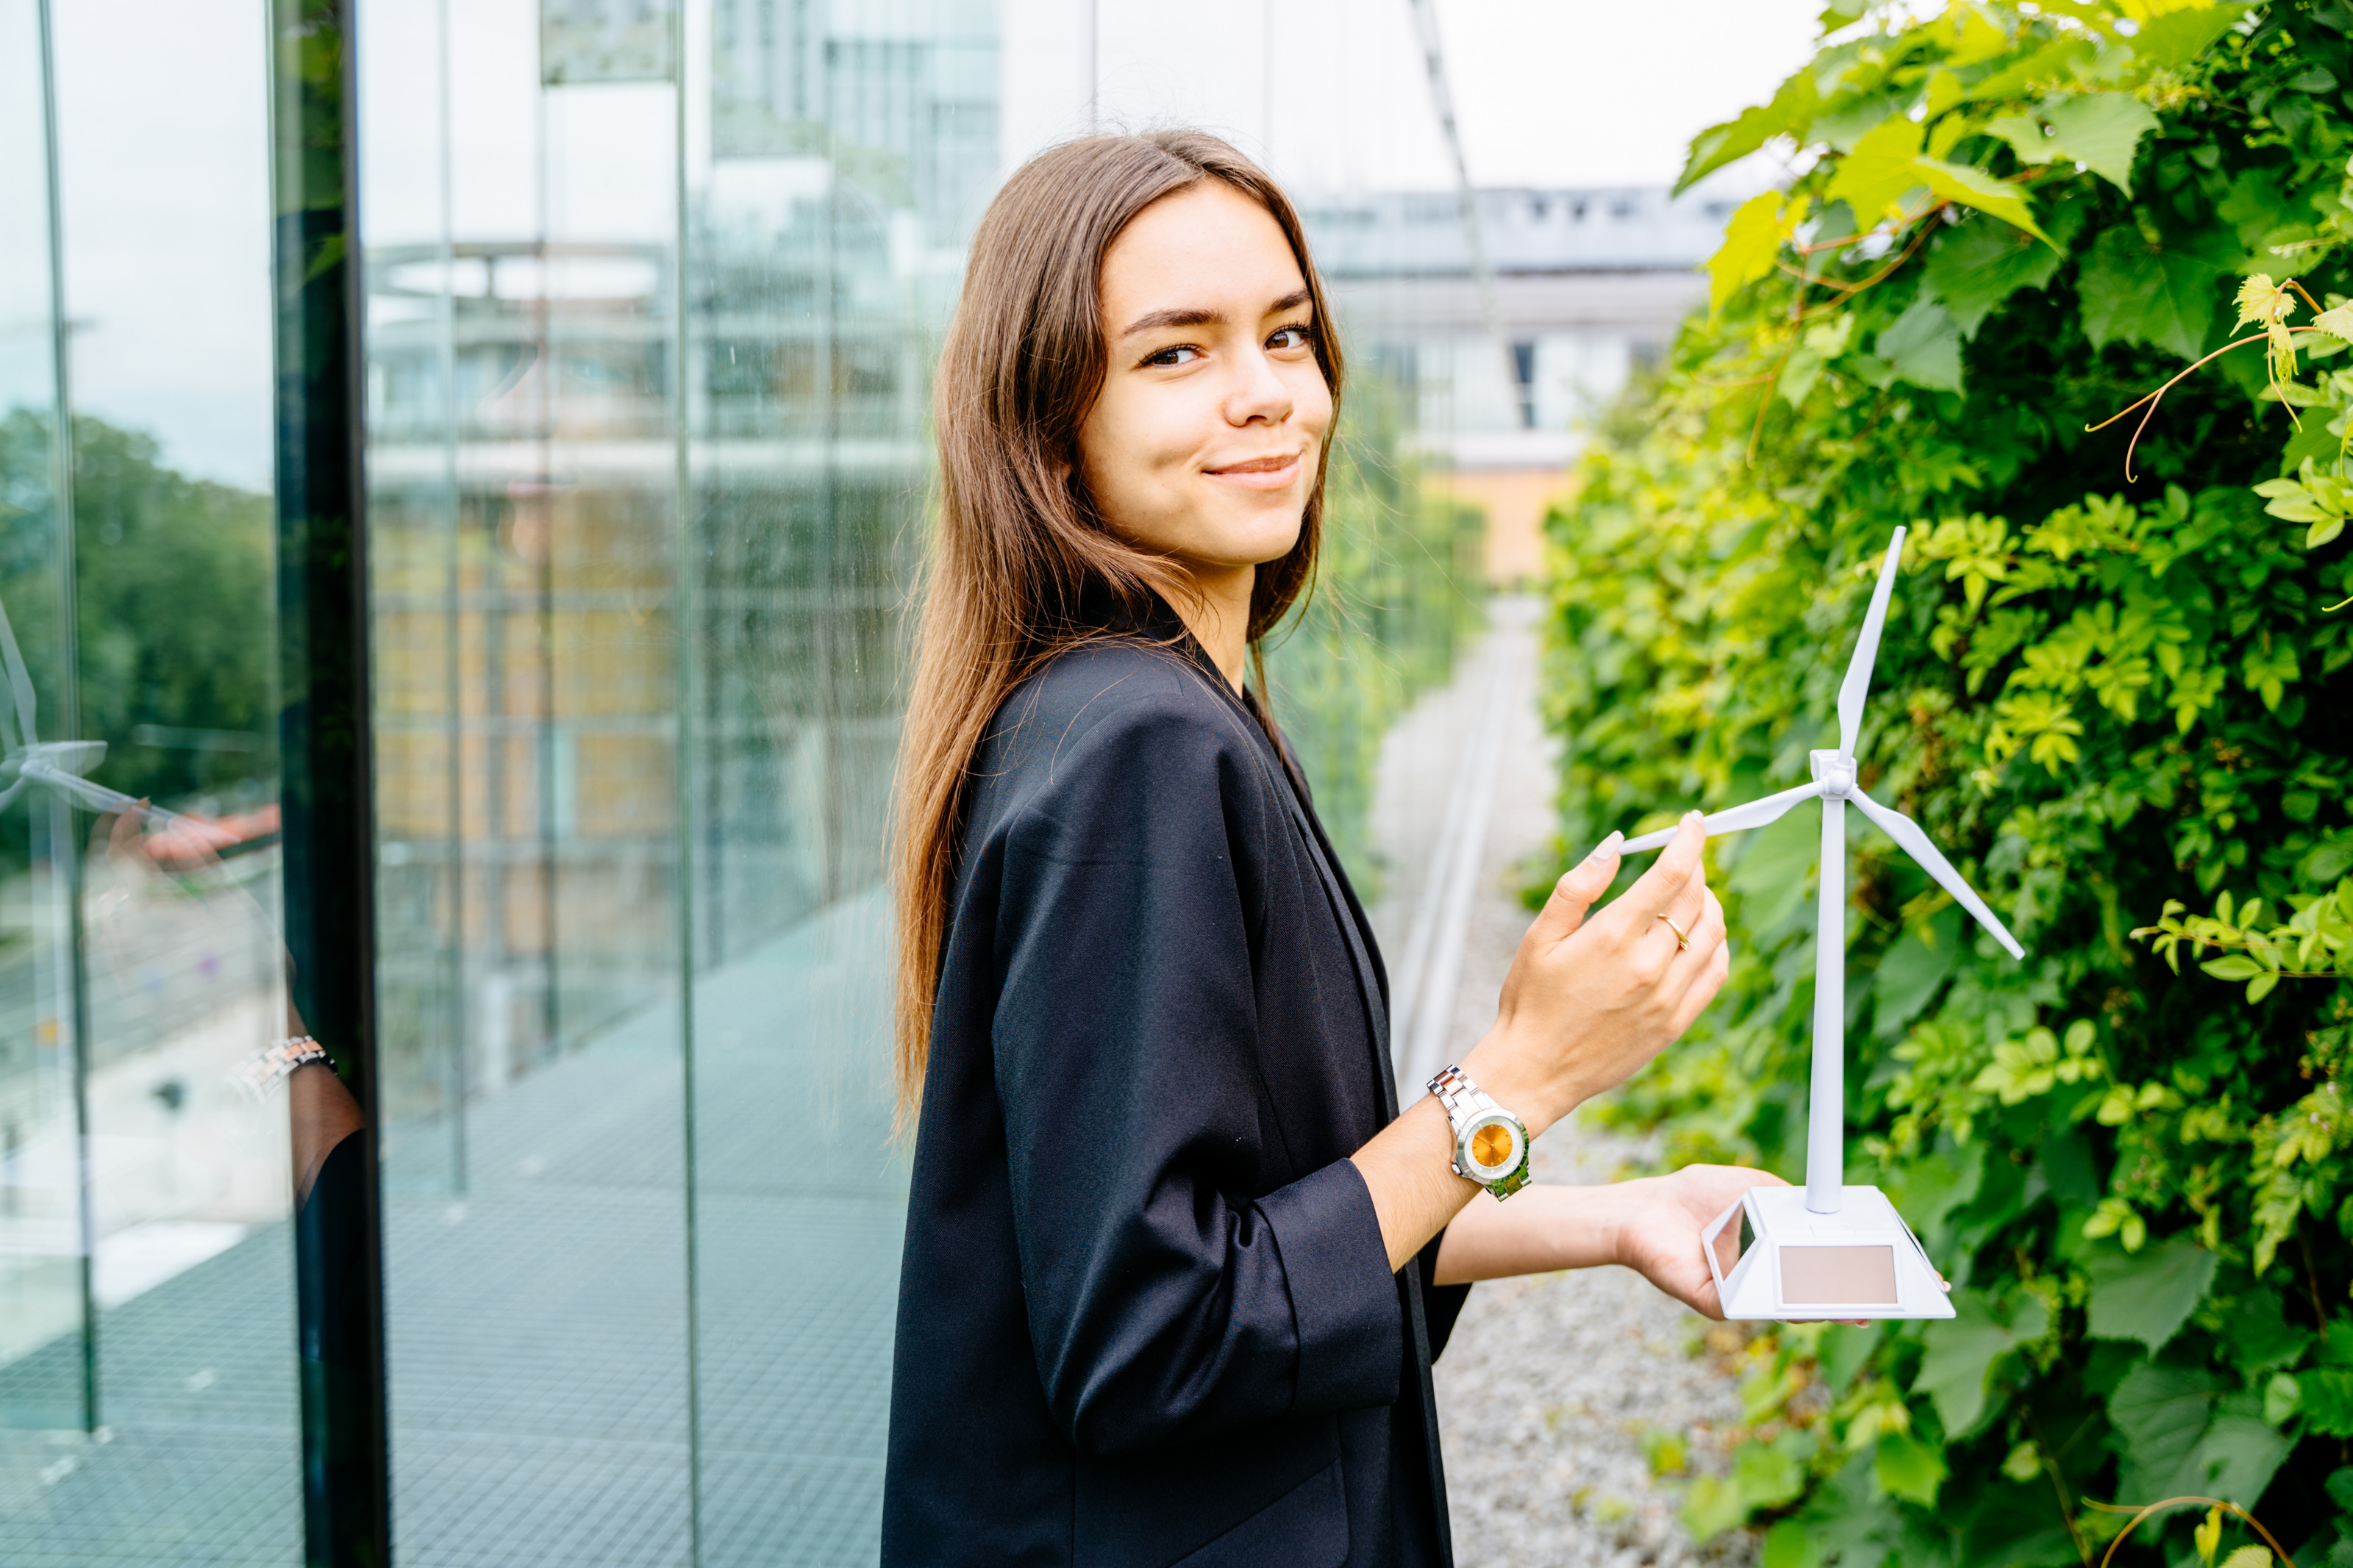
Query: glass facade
point(643, 301)
point(148, 1391)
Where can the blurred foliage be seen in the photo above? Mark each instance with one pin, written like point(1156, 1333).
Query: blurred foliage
point(173, 600)
point(1398, 584)
point(2110, 699)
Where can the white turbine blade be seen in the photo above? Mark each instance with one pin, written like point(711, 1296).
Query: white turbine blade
point(1921, 847)
point(20, 684)
point(1731, 819)
point(97, 796)
point(1857, 685)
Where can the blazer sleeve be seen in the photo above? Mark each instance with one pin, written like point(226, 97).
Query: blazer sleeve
point(1163, 1302)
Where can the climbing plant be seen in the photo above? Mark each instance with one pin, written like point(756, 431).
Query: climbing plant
point(2112, 685)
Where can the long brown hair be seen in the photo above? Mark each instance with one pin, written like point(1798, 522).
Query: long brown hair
point(1019, 544)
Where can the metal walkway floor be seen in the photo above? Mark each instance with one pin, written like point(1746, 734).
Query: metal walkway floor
point(539, 1342)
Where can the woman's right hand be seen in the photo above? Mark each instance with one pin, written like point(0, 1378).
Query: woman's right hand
point(1588, 1001)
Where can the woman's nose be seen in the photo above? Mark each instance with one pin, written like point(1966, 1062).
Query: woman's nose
point(1260, 393)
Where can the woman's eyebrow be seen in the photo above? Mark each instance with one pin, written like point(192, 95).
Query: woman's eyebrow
point(1200, 316)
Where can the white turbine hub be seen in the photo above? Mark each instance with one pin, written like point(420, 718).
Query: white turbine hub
point(1834, 771)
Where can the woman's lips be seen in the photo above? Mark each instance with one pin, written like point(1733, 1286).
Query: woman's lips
point(1261, 473)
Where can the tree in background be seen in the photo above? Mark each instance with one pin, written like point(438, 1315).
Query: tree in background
point(173, 600)
point(2115, 692)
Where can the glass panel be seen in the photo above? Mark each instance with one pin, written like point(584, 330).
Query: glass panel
point(852, 149)
point(519, 194)
point(146, 1303)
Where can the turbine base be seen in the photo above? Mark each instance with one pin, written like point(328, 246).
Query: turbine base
point(1861, 1262)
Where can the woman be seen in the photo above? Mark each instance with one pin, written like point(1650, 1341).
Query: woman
point(1176, 1264)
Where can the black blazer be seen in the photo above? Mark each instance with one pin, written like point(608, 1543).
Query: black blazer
point(1144, 1314)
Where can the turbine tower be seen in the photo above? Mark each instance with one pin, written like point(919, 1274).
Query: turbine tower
point(1846, 1249)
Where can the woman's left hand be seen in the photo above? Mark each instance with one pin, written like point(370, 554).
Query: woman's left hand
point(1658, 1230)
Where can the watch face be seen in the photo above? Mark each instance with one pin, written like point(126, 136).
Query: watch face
point(1494, 1147)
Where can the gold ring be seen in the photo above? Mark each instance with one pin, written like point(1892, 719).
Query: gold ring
point(1682, 941)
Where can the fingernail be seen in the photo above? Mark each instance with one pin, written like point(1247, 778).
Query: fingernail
point(1607, 847)
point(1693, 815)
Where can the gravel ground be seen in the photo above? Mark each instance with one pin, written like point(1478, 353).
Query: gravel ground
point(1552, 1383)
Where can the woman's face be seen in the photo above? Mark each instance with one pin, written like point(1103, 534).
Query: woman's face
point(1205, 442)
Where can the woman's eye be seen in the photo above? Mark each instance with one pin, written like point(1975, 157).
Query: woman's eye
point(1181, 355)
point(1291, 338)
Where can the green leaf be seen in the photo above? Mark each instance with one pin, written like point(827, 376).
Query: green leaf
point(1792, 110)
point(2257, 1335)
point(1768, 1475)
point(2132, 293)
point(2311, 440)
point(1788, 1544)
point(1927, 1189)
point(2052, 63)
point(2148, 1295)
point(1975, 188)
point(2237, 966)
point(2028, 137)
point(1764, 1475)
point(1909, 1468)
point(1963, 1352)
point(1713, 1506)
point(1924, 347)
point(1750, 242)
point(2101, 130)
point(2177, 37)
point(2160, 1411)
point(1883, 167)
point(2327, 1400)
point(2254, 206)
point(2282, 1397)
point(2239, 1452)
point(1975, 266)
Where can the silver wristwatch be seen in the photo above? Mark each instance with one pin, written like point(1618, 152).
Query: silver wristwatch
point(1491, 1144)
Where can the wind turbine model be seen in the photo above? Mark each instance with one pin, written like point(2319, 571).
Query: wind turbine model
point(1827, 1249)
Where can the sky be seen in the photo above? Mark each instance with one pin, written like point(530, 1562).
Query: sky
point(163, 128)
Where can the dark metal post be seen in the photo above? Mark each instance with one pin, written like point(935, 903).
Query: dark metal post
point(325, 789)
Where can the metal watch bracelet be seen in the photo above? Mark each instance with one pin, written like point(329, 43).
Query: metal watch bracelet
point(1491, 1144)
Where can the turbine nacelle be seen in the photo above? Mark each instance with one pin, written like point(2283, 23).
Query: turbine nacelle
point(1834, 771)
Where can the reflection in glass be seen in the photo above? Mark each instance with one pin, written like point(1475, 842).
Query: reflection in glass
point(147, 1396)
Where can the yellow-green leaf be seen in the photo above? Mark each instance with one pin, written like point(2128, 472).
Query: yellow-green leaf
point(1968, 36)
point(2336, 321)
point(1975, 188)
point(2263, 302)
point(1750, 241)
point(1875, 176)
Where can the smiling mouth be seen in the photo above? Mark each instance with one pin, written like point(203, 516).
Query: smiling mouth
point(1262, 469)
